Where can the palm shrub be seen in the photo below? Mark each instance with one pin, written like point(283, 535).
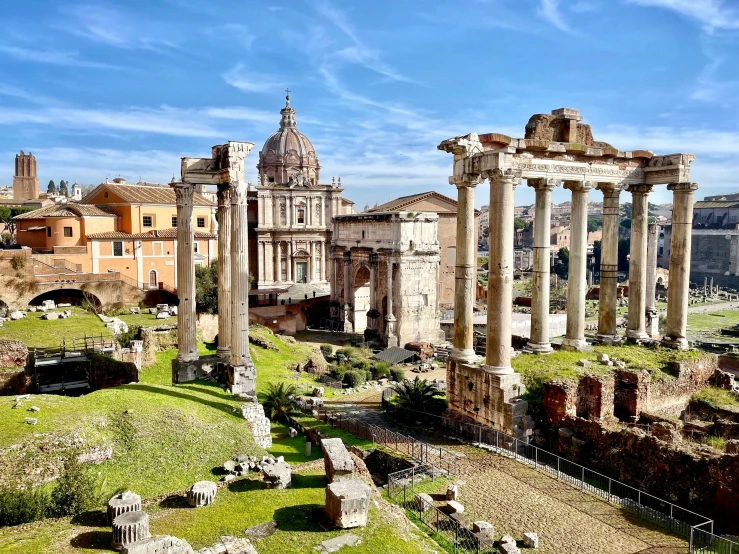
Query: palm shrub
point(418, 396)
point(279, 401)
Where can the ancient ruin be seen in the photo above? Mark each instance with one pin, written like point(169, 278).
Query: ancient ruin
point(556, 150)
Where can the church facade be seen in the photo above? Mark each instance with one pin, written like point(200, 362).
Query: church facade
point(295, 210)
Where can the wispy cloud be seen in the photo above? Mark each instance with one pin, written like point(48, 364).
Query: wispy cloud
point(233, 32)
point(250, 81)
point(549, 11)
point(711, 89)
point(712, 14)
point(52, 57)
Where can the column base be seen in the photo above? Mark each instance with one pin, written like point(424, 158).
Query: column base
point(223, 353)
point(464, 355)
point(391, 340)
point(187, 357)
point(576, 345)
point(539, 348)
point(498, 370)
point(637, 336)
point(609, 340)
point(347, 327)
point(680, 343)
point(242, 379)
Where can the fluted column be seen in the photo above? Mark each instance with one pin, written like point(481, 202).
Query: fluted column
point(465, 273)
point(242, 373)
point(679, 278)
point(539, 341)
point(224, 271)
point(576, 281)
point(278, 261)
point(636, 326)
point(390, 336)
point(500, 274)
point(608, 294)
point(348, 327)
point(186, 320)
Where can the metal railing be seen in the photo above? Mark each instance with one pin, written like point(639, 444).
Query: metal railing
point(420, 451)
point(447, 530)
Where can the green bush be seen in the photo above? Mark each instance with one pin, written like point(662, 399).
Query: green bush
point(362, 364)
point(75, 491)
point(340, 370)
point(368, 374)
point(381, 369)
point(22, 506)
point(397, 374)
point(354, 378)
point(326, 350)
point(125, 338)
point(348, 352)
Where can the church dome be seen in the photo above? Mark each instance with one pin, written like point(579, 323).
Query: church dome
point(288, 154)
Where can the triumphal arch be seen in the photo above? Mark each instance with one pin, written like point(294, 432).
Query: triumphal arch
point(557, 150)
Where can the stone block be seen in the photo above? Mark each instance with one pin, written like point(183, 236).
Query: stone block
point(510, 548)
point(347, 503)
point(30, 420)
point(293, 432)
point(16, 315)
point(318, 391)
point(135, 310)
point(603, 358)
point(162, 315)
point(336, 460)
point(423, 502)
point(484, 532)
point(452, 492)
point(277, 475)
point(337, 543)
point(122, 503)
point(201, 494)
point(129, 528)
point(161, 544)
point(455, 507)
point(531, 540)
point(584, 363)
point(732, 446)
point(50, 316)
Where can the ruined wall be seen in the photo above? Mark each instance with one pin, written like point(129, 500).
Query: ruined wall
point(13, 382)
point(705, 481)
point(13, 353)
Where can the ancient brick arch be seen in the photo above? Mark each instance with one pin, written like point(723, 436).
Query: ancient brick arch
point(19, 294)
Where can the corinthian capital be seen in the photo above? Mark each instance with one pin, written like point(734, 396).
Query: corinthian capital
point(238, 190)
point(224, 194)
point(183, 193)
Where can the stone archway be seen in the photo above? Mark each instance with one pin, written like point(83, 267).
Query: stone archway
point(75, 297)
point(361, 299)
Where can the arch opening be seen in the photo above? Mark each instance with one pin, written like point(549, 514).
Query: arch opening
point(361, 299)
point(75, 297)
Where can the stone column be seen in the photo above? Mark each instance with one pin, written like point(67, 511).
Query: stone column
point(608, 295)
point(500, 274)
point(465, 273)
point(576, 285)
point(186, 319)
point(348, 327)
point(539, 341)
point(324, 260)
point(373, 287)
point(278, 261)
point(390, 336)
point(679, 279)
point(224, 271)
point(241, 370)
point(636, 326)
point(289, 261)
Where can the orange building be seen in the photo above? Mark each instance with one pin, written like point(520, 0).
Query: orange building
point(127, 229)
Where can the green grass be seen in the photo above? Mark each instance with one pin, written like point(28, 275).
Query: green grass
point(718, 398)
point(293, 449)
point(39, 333)
point(146, 319)
point(714, 442)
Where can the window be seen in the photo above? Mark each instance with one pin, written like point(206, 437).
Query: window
point(48, 231)
point(118, 248)
point(174, 221)
point(147, 221)
point(67, 231)
point(201, 222)
point(195, 244)
point(301, 216)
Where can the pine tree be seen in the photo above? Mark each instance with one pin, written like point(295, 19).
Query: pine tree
point(51, 189)
point(63, 188)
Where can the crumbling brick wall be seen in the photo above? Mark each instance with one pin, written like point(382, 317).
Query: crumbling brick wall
point(595, 396)
point(560, 400)
point(13, 353)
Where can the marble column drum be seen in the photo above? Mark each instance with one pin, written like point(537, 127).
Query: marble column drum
point(465, 272)
point(539, 340)
point(186, 319)
point(636, 326)
point(224, 271)
point(576, 281)
point(500, 275)
point(608, 293)
point(679, 279)
point(129, 528)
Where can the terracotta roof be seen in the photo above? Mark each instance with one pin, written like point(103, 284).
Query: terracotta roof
point(399, 204)
point(157, 234)
point(716, 204)
point(67, 210)
point(142, 194)
point(346, 201)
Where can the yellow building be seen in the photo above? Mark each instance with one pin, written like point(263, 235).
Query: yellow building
point(118, 228)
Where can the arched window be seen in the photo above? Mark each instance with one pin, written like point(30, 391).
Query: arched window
point(153, 280)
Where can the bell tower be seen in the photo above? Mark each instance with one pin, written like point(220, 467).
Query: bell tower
point(25, 182)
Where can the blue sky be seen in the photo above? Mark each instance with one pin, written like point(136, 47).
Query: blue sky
point(106, 88)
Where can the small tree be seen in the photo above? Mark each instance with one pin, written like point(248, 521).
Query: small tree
point(519, 223)
point(51, 189)
point(206, 288)
point(75, 491)
point(279, 401)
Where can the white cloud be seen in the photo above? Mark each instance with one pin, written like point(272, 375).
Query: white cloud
point(549, 10)
point(713, 14)
point(249, 81)
point(55, 57)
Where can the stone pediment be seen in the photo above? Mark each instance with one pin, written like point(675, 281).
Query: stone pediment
point(301, 254)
